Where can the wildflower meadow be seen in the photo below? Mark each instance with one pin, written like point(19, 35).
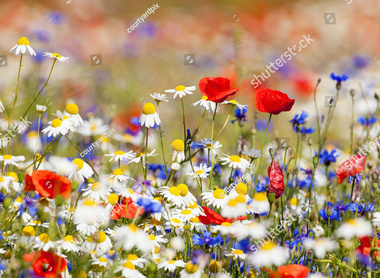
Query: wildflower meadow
point(155, 170)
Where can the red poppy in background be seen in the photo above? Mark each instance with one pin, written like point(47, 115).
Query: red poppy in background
point(365, 247)
point(350, 167)
point(276, 179)
point(48, 184)
point(46, 264)
point(216, 89)
point(133, 211)
point(214, 218)
point(273, 102)
point(289, 271)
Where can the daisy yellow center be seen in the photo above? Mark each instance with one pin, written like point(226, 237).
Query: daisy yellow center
point(293, 201)
point(226, 224)
point(132, 257)
point(32, 134)
point(129, 265)
point(178, 145)
point(177, 221)
point(139, 154)
point(235, 158)
point(186, 212)
point(232, 202)
point(240, 199)
point(44, 237)
point(204, 98)
point(113, 199)
point(209, 145)
point(180, 88)
point(118, 172)
point(149, 109)
point(55, 54)
point(96, 187)
point(28, 231)
point(191, 268)
point(268, 246)
point(69, 239)
point(103, 260)
point(352, 222)
point(13, 175)
point(131, 191)
point(194, 219)
point(18, 199)
point(102, 237)
point(193, 205)
point(241, 188)
point(152, 237)
point(238, 252)
point(183, 189)
point(89, 203)
point(218, 194)
point(234, 101)
point(72, 209)
point(171, 262)
point(7, 156)
point(119, 153)
point(133, 228)
point(72, 108)
point(199, 172)
point(56, 123)
point(79, 163)
point(2, 179)
point(127, 137)
point(261, 196)
point(23, 41)
point(174, 191)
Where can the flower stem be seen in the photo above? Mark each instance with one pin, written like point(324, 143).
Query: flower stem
point(146, 153)
point(212, 145)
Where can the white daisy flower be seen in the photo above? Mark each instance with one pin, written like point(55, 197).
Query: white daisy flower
point(120, 155)
point(191, 271)
point(177, 150)
point(251, 229)
point(235, 103)
point(172, 194)
point(158, 240)
point(149, 116)
point(318, 231)
point(171, 265)
point(93, 127)
point(320, 246)
point(251, 153)
point(376, 219)
point(235, 161)
point(181, 91)
point(234, 207)
point(41, 108)
point(237, 254)
point(119, 175)
point(98, 242)
point(215, 198)
point(140, 262)
point(68, 244)
point(208, 105)
point(190, 200)
point(128, 270)
point(5, 182)
point(268, 254)
point(56, 56)
point(124, 191)
point(354, 227)
point(239, 189)
point(140, 157)
point(89, 216)
point(21, 47)
point(259, 203)
point(97, 191)
point(200, 172)
point(72, 111)
point(11, 160)
point(159, 97)
point(206, 143)
point(43, 242)
point(57, 126)
point(131, 236)
point(82, 171)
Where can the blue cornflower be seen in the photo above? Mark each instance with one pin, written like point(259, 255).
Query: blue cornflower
point(336, 211)
point(207, 239)
point(339, 78)
point(149, 205)
point(149, 189)
point(217, 169)
point(367, 120)
point(261, 186)
point(360, 62)
point(240, 114)
point(362, 208)
point(298, 121)
point(328, 157)
point(358, 178)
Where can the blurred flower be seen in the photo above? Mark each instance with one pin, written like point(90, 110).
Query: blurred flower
point(289, 271)
point(240, 115)
point(320, 246)
point(216, 89)
point(45, 264)
point(159, 97)
point(21, 47)
point(56, 56)
point(350, 167)
point(354, 227)
point(207, 239)
point(298, 121)
point(339, 78)
point(181, 91)
point(269, 254)
point(367, 120)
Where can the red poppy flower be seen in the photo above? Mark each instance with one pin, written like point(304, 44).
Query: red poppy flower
point(133, 211)
point(46, 264)
point(276, 179)
point(365, 247)
point(216, 89)
point(350, 167)
point(271, 101)
point(289, 271)
point(48, 184)
point(214, 218)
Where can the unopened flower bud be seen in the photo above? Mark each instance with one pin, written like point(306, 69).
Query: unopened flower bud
point(329, 212)
point(271, 152)
point(175, 167)
point(315, 161)
point(310, 142)
point(271, 197)
point(375, 185)
point(352, 92)
point(214, 267)
point(7, 202)
point(291, 166)
point(59, 200)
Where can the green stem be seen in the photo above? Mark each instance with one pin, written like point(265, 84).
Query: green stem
point(212, 145)
point(146, 154)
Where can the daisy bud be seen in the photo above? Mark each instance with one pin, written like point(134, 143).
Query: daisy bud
point(7, 202)
point(271, 152)
point(41, 108)
point(28, 231)
point(329, 212)
point(271, 197)
point(310, 142)
point(214, 267)
point(175, 166)
point(291, 166)
point(315, 161)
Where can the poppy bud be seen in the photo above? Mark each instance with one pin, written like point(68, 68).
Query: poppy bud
point(276, 179)
point(310, 142)
point(59, 200)
point(319, 80)
point(329, 212)
point(352, 92)
point(271, 197)
point(315, 161)
point(291, 166)
point(7, 202)
point(271, 152)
